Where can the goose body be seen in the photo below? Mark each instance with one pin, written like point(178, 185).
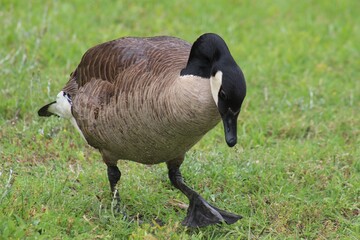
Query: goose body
point(150, 100)
point(138, 115)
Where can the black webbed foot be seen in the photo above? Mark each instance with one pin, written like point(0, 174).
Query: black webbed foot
point(200, 214)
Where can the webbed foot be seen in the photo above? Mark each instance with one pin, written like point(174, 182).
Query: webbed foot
point(200, 214)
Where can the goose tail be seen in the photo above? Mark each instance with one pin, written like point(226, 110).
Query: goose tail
point(44, 111)
point(61, 107)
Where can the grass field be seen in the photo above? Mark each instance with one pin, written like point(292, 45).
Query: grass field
point(294, 174)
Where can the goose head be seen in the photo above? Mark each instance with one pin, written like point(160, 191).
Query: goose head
point(228, 90)
point(210, 58)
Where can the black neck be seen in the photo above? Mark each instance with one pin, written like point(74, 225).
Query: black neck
point(206, 52)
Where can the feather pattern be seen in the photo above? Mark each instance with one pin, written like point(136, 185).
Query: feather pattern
point(130, 102)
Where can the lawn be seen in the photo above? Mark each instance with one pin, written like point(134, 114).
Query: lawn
point(294, 174)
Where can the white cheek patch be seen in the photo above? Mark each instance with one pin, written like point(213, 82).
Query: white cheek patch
point(215, 84)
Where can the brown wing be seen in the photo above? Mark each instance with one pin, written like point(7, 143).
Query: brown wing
point(126, 65)
point(108, 61)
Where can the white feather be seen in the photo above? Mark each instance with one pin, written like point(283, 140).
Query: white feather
point(62, 108)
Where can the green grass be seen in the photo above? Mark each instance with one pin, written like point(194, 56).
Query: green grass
point(295, 173)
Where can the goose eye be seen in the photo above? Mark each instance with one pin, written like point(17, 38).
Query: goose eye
point(222, 94)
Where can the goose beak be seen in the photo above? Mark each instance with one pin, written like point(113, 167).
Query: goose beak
point(230, 124)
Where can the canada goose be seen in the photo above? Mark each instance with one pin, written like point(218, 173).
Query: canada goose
point(150, 100)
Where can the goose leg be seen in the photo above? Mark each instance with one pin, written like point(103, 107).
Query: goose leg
point(114, 175)
point(200, 213)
